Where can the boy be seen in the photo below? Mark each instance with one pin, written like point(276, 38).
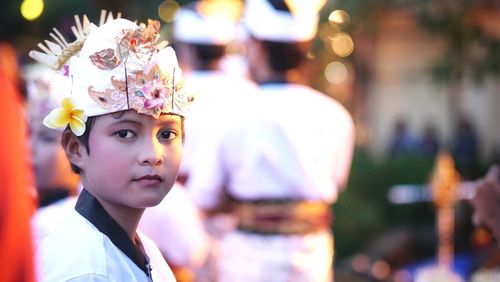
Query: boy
point(124, 131)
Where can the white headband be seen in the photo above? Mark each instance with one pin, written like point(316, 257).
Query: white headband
point(264, 22)
point(192, 27)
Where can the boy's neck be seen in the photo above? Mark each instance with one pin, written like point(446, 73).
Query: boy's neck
point(127, 218)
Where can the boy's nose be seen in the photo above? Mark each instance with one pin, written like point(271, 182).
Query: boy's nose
point(151, 153)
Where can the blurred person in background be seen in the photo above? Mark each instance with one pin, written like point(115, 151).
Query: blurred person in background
point(486, 204)
point(175, 225)
point(282, 162)
point(402, 141)
point(429, 141)
point(465, 148)
point(17, 205)
point(202, 32)
point(57, 186)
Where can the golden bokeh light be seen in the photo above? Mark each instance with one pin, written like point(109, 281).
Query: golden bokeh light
point(167, 10)
point(339, 17)
point(230, 9)
point(327, 31)
point(32, 9)
point(336, 72)
point(342, 44)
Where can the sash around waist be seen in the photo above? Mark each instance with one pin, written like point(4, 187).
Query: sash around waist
point(282, 216)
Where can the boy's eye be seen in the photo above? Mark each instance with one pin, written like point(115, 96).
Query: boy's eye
point(167, 135)
point(125, 134)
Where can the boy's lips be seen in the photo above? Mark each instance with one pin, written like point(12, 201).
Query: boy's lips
point(149, 179)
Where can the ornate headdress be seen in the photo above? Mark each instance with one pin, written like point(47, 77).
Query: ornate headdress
point(114, 67)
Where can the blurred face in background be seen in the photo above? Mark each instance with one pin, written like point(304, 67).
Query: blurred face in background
point(51, 167)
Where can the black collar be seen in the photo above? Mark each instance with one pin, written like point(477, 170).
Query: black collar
point(90, 208)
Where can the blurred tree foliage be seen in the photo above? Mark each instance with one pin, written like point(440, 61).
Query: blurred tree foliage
point(473, 49)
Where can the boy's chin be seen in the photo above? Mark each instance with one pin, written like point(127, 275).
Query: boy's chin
point(154, 200)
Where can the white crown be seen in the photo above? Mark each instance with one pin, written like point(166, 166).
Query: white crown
point(56, 54)
point(114, 67)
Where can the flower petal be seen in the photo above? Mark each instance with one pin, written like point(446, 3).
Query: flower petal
point(77, 126)
point(150, 103)
point(57, 118)
point(79, 114)
point(48, 123)
point(68, 104)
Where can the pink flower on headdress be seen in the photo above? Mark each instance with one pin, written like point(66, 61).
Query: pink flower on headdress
point(156, 93)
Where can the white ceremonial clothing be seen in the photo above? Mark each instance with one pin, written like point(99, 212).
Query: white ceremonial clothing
point(293, 142)
point(247, 257)
point(78, 251)
point(176, 226)
point(47, 218)
point(219, 99)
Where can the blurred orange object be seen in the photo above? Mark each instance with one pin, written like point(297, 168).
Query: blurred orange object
point(16, 206)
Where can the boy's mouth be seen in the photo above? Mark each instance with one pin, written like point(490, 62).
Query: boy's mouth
point(149, 179)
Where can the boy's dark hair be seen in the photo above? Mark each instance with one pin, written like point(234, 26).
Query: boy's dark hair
point(284, 56)
point(207, 54)
point(84, 138)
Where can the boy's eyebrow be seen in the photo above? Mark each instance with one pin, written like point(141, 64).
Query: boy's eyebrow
point(126, 121)
point(169, 122)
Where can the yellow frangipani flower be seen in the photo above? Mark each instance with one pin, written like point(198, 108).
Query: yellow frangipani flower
point(67, 114)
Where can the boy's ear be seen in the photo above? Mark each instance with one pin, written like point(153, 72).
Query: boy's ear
point(74, 149)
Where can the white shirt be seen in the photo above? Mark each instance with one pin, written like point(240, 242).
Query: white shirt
point(175, 225)
point(295, 142)
point(78, 251)
point(46, 219)
point(219, 98)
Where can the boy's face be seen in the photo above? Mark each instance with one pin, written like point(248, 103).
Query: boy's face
point(52, 169)
point(133, 159)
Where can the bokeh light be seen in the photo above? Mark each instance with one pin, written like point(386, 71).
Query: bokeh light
point(342, 44)
point(167, 10)
point(327, 31)
point(381, 270)
point(339, 17)
point(336, 72)
point(31, 9)
point(361, 263)
point(230, 9)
